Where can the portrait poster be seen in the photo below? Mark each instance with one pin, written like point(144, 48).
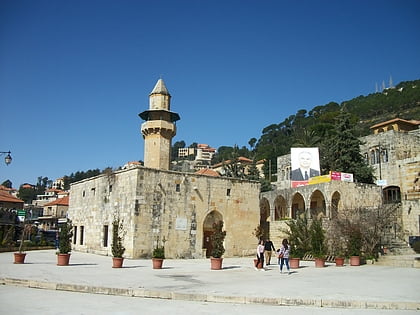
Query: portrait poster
point(304, 165)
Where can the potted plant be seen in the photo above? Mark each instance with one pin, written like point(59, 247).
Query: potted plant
point(117, 247)
point(20, 254)
point(217, 239)
point(298, 234)
point(354, 245)
point(64, 243)
point(318, 248)
point(158, 255)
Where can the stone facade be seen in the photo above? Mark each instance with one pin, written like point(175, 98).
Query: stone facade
point(158, 205)
point(393, 153)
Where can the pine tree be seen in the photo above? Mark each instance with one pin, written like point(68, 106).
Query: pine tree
point(341, 151)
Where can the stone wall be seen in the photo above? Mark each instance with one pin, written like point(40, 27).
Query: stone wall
point(161, 205)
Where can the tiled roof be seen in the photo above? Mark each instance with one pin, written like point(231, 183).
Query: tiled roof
point(410, 122)
point(6, 197)
point(59, 202)
point(207, 172)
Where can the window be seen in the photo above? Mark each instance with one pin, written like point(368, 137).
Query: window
point(228, 192)
point(84, 193)
point(178, 188)
point(110, 188)
point(75, 235)
point(105, 235)
point(93, 190)
point(82, 231)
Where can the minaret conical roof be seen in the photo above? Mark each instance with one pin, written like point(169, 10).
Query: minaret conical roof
point(160, 88)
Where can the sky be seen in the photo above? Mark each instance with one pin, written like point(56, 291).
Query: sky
point(74, 75)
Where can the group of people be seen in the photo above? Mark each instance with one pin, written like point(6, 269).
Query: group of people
point(265, 249)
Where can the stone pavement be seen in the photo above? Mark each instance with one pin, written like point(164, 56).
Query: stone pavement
point(362, 287)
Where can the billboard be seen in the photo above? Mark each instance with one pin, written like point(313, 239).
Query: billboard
point(305, 165)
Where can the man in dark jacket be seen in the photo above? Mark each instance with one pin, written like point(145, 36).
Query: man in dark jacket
point(268, 247)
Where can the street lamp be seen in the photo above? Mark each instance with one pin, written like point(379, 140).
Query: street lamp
point(8, 158)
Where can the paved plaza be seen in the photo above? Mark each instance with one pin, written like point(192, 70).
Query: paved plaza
point(361, 287)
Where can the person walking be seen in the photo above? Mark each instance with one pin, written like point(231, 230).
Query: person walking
point(260, 254)
point(284, 255)
point(268, 247)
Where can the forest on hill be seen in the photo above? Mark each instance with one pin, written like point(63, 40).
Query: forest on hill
point(314, 127)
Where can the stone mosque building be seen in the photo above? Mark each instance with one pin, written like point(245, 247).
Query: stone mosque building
point(159, 206)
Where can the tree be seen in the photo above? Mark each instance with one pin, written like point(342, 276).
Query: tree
point(341, 151)
point(7, 184)
point(27, 194)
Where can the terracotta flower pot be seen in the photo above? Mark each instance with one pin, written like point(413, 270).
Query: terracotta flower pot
point(19, 258)
point(117, 262)
point(294, 263)
point(216, 263)
point(63, 259)
point(319, 262)
point(339, 261)
point(354, 260)
point(157, 263)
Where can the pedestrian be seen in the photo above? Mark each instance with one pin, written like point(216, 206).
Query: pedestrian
point(268, 247)
point(260, 254)
point(284, 255)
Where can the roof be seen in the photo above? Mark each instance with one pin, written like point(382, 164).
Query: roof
point(207, 172)
point(6, 197)
point(409, 122)
point(160, 88)
point(59, 202)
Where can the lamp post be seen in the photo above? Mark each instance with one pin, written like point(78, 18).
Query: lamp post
point(8, 158)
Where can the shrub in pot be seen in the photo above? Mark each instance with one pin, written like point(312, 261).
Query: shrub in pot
point(318, 248)
point(158, 255)
point(64, 243)
point(117, 247)
point(218, 249)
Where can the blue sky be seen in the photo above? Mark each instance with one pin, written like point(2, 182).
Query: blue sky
point(74, 75)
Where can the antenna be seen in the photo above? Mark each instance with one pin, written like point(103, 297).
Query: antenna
point(391, 85)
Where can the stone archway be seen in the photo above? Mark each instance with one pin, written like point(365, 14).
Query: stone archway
point(280, 208)
point(298, 205)
point(335, 202)
point(317, 205)
point(264, 215)
point(208, 230)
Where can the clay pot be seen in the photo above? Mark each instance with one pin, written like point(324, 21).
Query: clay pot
point(19, 258)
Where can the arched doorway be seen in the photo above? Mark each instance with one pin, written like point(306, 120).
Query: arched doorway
point(317, 205)
point(298, 205)
point(335, 200)
point(264, 215)
point(208, 230)
point(280, 208)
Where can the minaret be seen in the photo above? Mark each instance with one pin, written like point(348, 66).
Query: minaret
point(159, 128)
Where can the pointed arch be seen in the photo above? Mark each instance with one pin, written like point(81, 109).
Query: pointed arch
point(317, 205)
point(208, 229)
point(280, 208)
point(298, 205)
point(335, 203)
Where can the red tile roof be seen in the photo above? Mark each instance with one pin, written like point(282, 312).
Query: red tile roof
point(207, 172)
point(6, 197)
point(59, 202)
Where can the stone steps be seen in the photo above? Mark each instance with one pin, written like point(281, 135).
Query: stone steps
point(404, 261)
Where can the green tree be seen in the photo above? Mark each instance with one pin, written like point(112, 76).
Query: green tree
point(341, 151)
point(7, 184)
point(27, 194)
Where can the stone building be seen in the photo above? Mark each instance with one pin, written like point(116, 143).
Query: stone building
point(159, 206)
point(393, 150)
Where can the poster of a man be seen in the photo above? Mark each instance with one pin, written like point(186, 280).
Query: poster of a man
point(305, 163)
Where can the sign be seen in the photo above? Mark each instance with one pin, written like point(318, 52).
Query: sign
point(381, 182)
point(181, 224)
point(319, 179)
